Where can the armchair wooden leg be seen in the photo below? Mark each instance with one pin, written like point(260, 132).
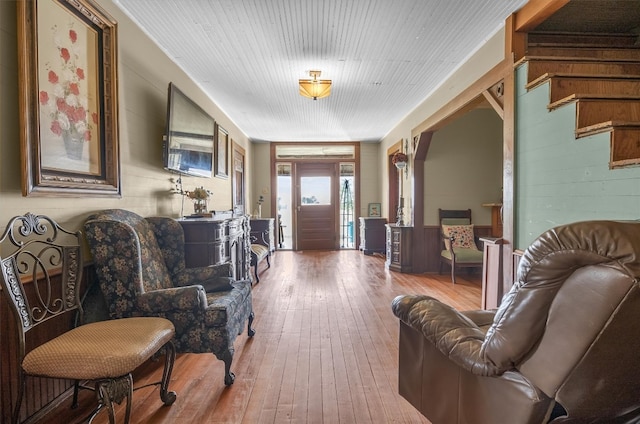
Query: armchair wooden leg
point(250, 331)
point(227, 358)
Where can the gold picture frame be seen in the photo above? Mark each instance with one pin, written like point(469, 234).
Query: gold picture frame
point(221, 155)
point(68, 99)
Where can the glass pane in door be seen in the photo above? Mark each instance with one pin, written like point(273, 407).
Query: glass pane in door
point(347, 211)
point(315, 190)
point(284, 205)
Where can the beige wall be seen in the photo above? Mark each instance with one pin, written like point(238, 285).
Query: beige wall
point(144, 74)
point(478, 64)
point(464, 167)
point(370, 177)
point(261, 178)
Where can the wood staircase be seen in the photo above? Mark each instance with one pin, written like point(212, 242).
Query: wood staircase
point(600, 73)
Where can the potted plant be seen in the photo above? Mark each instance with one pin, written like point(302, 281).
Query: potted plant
point(400, 160)
point(199, 196)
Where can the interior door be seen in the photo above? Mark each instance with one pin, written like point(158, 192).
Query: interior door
point(316, 206)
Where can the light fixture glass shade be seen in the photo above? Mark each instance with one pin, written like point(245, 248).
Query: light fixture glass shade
point(401, 165)
point(315, 88)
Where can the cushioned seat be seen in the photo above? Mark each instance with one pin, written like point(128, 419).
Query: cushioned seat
point(259, 252)
point(464, 255)
point(80, 352)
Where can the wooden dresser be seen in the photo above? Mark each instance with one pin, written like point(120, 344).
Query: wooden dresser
point(218, 240)
point(372, 234)
point(399, 250)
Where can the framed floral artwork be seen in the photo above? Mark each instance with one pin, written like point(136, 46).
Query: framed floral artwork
point(221, 152)
point(68, 99)
point(375, 210)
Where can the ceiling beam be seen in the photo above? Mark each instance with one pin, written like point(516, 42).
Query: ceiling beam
point(460, 104)
point(494, 101)
point(535, 12)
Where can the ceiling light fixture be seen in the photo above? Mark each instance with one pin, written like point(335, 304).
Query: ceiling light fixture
point(315, 88)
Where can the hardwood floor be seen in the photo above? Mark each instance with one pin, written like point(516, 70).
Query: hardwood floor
point(326, 350)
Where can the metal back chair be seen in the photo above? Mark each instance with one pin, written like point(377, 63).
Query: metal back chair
point(41, 272)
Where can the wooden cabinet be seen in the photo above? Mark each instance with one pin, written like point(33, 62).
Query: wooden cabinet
point(213, 241)
point(372, 235)
point(399, 248)
point(263, 231)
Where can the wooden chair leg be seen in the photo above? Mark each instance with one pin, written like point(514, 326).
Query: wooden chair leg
point(250, 331)
point(255, 272)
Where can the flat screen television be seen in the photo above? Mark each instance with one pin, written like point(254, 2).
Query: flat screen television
point(189, 139)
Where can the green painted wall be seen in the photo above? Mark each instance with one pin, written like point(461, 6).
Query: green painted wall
point(561, 179)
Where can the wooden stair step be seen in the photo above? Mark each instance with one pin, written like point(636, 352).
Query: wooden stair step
point(624, 141)
point(625, 146)
point(588, 79)
point(605, 126)
point(611, 53)
point(575, 97)
point(538, 67)
point(565, 39)
point(562, 86)
point(578, 59)
point(591, 111)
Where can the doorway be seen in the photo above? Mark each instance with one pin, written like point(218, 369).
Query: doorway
point(316, 195)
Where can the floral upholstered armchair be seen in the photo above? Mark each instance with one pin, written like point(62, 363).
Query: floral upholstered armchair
point(141, 268)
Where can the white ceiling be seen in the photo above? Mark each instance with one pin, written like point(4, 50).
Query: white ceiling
point(384, 57)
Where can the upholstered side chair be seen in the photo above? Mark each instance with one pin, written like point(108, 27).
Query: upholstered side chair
point(561, 348)
point(459, 245)
point(41, 279)
point(140, 264)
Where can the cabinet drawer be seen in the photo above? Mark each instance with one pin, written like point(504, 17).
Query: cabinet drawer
point(204, 254)
point(203, 233)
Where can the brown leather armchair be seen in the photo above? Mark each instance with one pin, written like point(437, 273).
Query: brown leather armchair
point(563, 346)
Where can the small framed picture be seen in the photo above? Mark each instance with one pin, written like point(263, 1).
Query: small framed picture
point(374, 209)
